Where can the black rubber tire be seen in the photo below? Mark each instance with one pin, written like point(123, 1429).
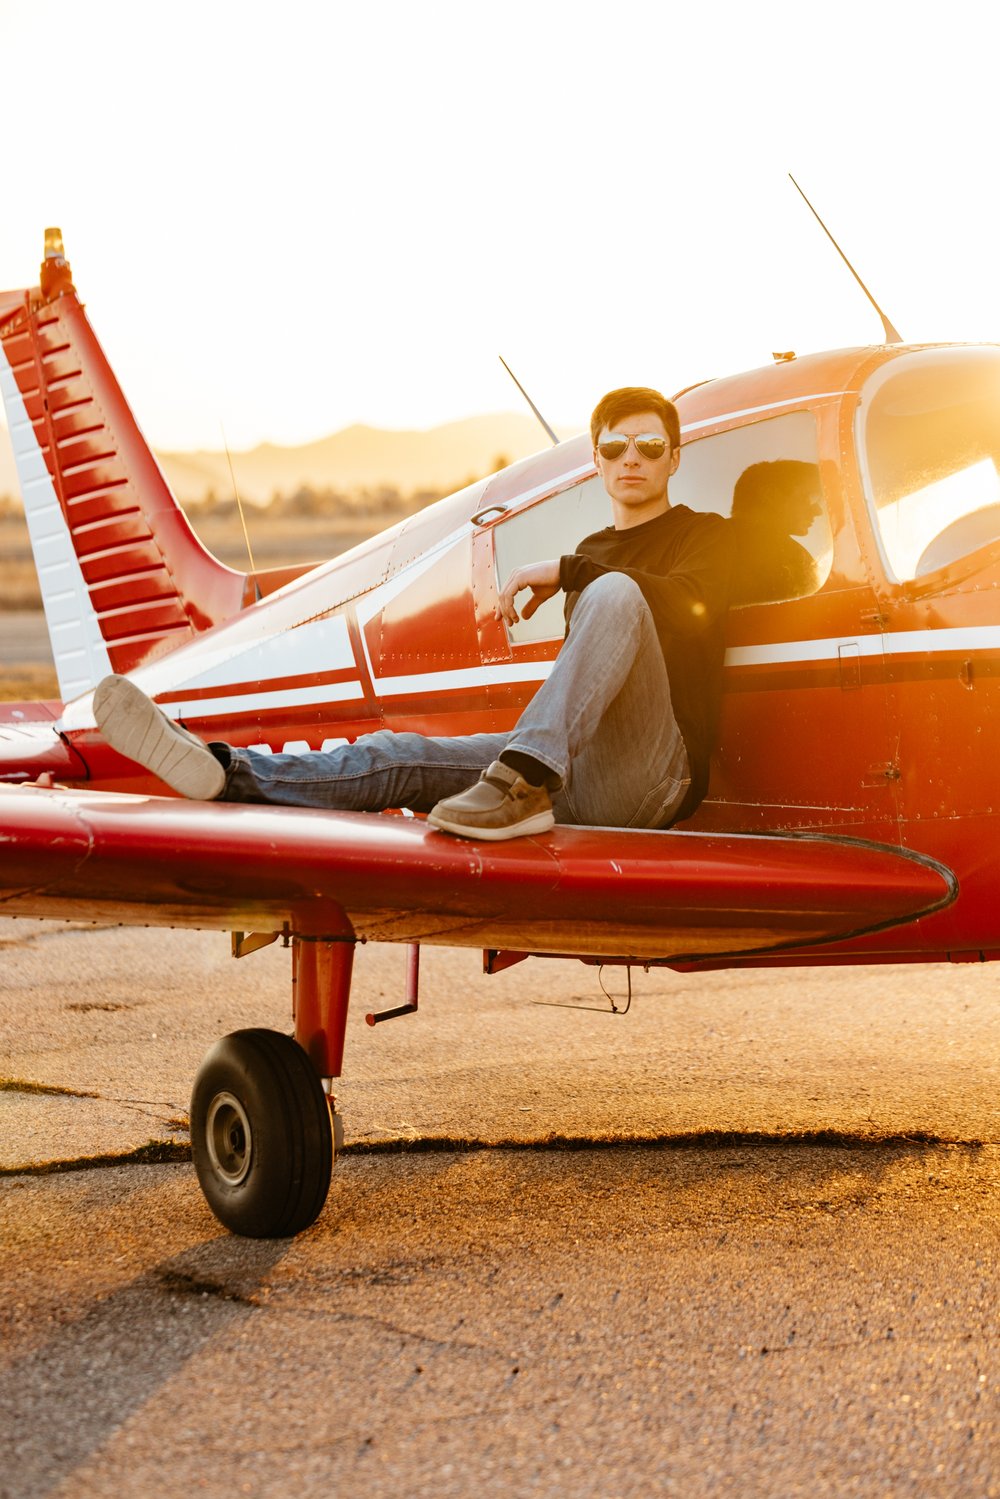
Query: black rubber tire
point(261, 1135)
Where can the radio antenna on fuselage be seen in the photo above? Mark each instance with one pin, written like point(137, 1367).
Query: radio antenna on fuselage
point(891, 336)
point(239, 506)
point(530, 402)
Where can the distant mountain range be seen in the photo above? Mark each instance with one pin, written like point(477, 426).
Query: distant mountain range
point(443, 458)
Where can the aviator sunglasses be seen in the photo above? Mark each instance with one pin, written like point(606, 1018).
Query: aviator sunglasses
point(648, 444)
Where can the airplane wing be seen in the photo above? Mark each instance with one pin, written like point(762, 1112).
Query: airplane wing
point(160, 861)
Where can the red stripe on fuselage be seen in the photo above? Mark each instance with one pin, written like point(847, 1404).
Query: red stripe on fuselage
point(265, 684)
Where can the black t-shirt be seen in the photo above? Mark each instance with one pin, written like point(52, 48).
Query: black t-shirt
point(682, 562)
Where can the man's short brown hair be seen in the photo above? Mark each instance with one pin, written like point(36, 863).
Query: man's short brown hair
point(629, 401)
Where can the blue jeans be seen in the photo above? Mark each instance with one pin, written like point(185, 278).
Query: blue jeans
point(603, 724)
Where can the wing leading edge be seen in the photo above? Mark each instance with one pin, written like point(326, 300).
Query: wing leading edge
point(159, 861)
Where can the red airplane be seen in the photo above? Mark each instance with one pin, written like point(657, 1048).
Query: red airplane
point(849, 814)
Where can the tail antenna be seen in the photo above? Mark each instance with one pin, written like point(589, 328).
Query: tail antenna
point(239, 506)
point(891, 336)
point(552, 435)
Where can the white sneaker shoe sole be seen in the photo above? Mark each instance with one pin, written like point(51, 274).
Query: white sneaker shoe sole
point(134, 726)
point(540, 823)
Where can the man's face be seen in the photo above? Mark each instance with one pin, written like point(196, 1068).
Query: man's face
point(637, 485)
point(801, 508)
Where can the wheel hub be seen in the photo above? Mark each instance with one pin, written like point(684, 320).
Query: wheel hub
point(229, 1138)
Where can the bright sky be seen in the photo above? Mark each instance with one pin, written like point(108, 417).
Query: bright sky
point(290, 217)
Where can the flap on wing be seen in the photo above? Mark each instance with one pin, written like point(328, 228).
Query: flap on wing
point(588, 891)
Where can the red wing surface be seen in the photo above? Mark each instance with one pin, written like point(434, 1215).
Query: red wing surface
point(589, 891)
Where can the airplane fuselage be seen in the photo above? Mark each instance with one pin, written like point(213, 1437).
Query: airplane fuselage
point(864, 706)
point(860, 697)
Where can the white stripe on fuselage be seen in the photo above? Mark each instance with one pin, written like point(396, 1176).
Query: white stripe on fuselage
point(253, 702)
point(464, 677)
point(530, 673)
point(900, 642)
point(892, 643)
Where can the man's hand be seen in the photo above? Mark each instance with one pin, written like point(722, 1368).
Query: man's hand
point(543, 580)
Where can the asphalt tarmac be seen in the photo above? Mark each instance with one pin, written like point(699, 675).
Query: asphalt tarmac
point(742, 1240)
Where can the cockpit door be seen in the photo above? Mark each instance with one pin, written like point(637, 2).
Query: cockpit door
point(927, 430)
point(806, 736)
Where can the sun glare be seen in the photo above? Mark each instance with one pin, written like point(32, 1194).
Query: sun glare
point(910, 524)
point(337, 215)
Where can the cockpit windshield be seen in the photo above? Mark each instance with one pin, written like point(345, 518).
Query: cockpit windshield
point(929, 445)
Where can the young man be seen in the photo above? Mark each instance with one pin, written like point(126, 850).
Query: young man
point(619, 735)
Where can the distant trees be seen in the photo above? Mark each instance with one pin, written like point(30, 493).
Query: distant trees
point(382, 503)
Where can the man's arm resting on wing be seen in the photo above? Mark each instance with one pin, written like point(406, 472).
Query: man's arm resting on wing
point(543, 580)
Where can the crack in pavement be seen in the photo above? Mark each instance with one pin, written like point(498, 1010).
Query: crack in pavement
point(21, 1085)
point(153, 1153)
point(170, 1153)
point(87, 1008)
point(830, 1139)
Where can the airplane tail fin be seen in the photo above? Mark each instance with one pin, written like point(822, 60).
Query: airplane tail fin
point(124, 578)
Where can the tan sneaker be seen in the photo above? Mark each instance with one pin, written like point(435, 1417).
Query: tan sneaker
point(134, 726)
point(502, 804)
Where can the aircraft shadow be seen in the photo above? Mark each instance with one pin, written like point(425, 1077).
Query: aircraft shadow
point(66, 1398)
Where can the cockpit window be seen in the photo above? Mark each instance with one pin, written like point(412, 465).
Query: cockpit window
point(929, 445)
point(549, 529)
point(765, 476)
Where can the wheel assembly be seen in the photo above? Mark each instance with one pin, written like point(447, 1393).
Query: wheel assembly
point(261, 1135)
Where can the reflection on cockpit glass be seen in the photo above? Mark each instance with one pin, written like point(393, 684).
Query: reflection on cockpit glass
point(775, 503)
point(931, 441)
point(765, 477)
point(917, 527)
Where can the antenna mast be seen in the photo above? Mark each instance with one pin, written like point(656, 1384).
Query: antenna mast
point(552, 435)
point(891, 336)
point(239, 505)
